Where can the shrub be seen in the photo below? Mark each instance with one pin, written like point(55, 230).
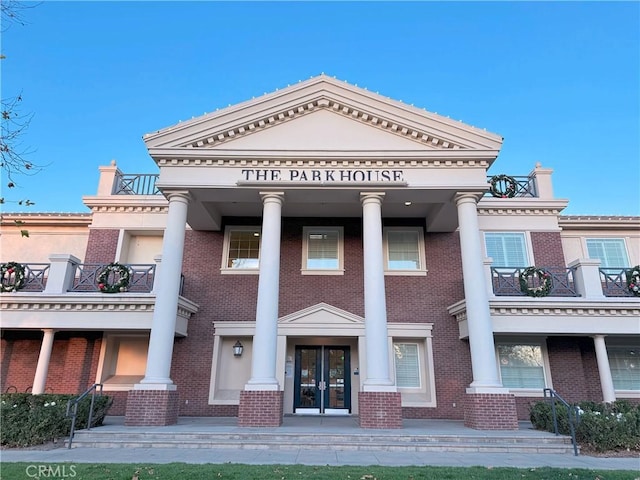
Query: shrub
point(601, 426)
point(35, 419)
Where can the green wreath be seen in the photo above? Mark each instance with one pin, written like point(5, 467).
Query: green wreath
point(510, 186)
point(633, 280)
point(544, 282)
point(11, 271)
point(114, 270)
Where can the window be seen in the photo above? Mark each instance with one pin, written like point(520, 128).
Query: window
point(521, 365)
point(241, 250)
point(625, 367)
point(322, 250)
point(506, 249)
point(407, 365)
point(610, 251)
point(404, 251)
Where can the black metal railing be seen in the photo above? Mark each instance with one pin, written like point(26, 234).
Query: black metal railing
point(573, 415)
point(524, 186)
point(614, 282)
point(35, 276)
point(72, 409)
point(87, 274)
point(136, 184)
point(506, 281)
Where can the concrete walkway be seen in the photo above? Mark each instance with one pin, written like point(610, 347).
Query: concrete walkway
point(304, 456)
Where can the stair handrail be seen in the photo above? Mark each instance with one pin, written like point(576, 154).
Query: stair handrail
point(72, 404)
point(573, 415)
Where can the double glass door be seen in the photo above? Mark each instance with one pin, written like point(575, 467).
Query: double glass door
point(322, 381)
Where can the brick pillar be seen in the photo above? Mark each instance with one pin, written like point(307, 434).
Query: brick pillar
point(151, 408)
point(484, 411)
point(260, 408)
point(380, 409)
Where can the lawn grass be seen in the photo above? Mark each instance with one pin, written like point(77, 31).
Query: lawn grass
point(228, 471)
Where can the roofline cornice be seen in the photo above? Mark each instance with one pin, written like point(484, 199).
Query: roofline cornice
point(46, 219)
point(339, 97)
point(580, 222)
point(186, 156)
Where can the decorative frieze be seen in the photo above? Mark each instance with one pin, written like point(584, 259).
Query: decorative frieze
point(219, 137)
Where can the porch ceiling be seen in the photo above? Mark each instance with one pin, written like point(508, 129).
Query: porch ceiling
point(209, 205)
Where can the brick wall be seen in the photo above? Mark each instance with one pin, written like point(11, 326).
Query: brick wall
point(73, 364)
point(151, 408)
point(380, 410)
point(233, 298)
point(101, 246)
point(260, 408)
point(490, 412)
point(547, 249)
point(567, 368)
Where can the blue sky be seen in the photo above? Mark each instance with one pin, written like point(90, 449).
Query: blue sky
point(559, 81)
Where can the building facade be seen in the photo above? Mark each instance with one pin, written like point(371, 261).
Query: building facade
point(322, 250)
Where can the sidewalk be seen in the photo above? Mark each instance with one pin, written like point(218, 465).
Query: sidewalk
point(304, 456)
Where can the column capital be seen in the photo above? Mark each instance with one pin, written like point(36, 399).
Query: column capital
point(178, 196)
point(369, 197)
point(467, 197)
point(270, 197)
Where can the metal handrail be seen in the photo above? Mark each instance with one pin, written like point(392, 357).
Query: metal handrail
point(73, 405)
point(87, 274)
point(614, 282)
point(136, 184)
point(524, 186)
point(573, 417)
point(506, 281)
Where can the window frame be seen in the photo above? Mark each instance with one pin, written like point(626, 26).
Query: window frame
point(306, 231)
point(546, 367)
point(224, 269)
point(526, 243)
point(419, 362)
point(422, 270)
point(620, 392)
point(603, 240)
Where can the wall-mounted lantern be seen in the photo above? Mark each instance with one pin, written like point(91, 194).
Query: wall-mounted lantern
point(237, 349)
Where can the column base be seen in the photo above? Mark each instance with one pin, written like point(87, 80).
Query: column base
point(380, 410)
point(151, 408)
point(483, 411)
point(260, 408)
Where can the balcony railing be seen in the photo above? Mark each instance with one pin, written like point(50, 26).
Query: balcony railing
point(86, 278)
point(35, 277)
point(614, 282)
point(524, 186)
point(136, 184)
point(506, 281)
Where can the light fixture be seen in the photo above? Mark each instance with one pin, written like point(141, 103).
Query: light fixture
point(237, 349)
point(407, 204)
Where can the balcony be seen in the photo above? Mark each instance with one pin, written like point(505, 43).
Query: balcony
point(67, 295)
point(561, 282)
point(579, 299)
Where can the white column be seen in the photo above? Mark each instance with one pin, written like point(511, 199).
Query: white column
point(375, 306)
point(40, 379)
point(167, 288)
point(265, 340)
point(606, 381)
point(483, 355)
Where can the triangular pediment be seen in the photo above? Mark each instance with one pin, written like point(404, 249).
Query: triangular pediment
point(321, 114)
point(321, 314)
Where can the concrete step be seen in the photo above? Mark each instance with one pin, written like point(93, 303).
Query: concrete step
point(290, 441)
